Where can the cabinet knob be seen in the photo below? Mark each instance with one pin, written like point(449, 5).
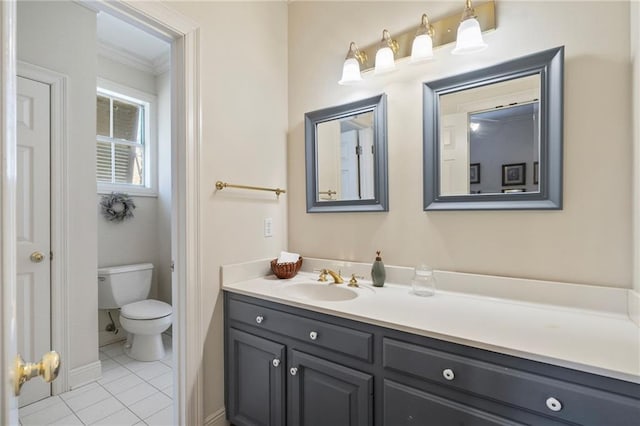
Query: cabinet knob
point(259, 319)
point(448, 374)
point(553, 404)
point(313, 335)
point(293, 371)
point(275, 362)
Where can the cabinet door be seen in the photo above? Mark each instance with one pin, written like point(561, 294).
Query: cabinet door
point(255, 380)
point(324, 393)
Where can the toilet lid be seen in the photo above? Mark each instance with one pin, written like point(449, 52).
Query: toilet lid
point(146, 309)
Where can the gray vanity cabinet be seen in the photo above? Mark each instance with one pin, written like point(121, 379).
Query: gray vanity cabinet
point(283, 368)
point(291, 366)
point(256, 386)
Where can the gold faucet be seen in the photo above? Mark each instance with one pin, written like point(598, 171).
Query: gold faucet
point(337, 279)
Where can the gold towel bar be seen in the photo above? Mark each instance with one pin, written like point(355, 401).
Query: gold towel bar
point(221, 185)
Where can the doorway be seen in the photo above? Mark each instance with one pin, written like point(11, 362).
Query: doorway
point(183, 34)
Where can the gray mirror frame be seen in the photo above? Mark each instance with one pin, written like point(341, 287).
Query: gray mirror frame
point(380, 202)
point(550, 65)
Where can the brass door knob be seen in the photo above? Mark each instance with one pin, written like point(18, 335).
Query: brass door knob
point(36, 257)
point(48, 368)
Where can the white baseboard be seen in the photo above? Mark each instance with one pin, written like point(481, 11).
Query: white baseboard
point(86, 374)
point(216, 419)
point(633, 300)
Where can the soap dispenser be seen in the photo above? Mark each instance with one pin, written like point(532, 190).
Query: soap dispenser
point(378, 274)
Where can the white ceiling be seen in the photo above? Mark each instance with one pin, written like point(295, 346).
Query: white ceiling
point(116, 37)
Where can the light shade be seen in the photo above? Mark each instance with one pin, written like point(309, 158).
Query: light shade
point(350, 72)
point(351, 68)
point(384, 61)
point(422, 47)
point(469, 39)
point(385, 56)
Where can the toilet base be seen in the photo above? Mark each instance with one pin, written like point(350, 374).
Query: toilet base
point(145, 347)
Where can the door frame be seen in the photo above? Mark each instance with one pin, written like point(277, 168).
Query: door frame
point(59, 205)
point(184, 37)
point(8, 270)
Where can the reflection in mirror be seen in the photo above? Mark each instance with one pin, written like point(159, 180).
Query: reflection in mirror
point(495, 128)
point(346, 157)
point(493, 137)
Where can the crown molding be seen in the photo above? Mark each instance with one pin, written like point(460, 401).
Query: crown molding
point(117, 54)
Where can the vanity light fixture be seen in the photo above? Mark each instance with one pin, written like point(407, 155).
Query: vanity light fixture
point(418, 42)
point(422, 47)
point(469, 38)
point(351, 67)
point(385, 56)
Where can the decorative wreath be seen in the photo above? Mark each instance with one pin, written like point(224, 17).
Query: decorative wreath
point(117, 207)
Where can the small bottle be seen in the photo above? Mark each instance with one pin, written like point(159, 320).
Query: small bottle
point(378, 274)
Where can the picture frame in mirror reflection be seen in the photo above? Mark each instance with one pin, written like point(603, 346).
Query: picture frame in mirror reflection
point(474, 173)
point(489, 118)
point(514, 174)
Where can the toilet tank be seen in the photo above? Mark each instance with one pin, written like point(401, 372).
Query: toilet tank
point(120, 285)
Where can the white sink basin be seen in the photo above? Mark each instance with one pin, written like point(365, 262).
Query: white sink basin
point(320, 292)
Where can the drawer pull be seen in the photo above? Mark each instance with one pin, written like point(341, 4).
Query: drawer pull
point(313, 335)
point(553, 404)
point(275, 362)
point(293, 371)
point(259, 319)
point(448, 374)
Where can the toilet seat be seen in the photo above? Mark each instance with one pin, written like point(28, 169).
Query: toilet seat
point(146, 310)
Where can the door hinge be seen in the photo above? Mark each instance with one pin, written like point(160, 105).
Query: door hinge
point(359, 150)
point(50, 256)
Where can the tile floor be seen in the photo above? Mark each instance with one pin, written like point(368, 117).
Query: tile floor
point(129, 393)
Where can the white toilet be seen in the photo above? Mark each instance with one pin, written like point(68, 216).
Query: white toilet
point(127, 287)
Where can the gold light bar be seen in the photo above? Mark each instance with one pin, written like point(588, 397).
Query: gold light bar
point(221, 185)
point(445, 32)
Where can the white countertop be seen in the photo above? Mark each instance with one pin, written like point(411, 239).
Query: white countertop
point(603, 343)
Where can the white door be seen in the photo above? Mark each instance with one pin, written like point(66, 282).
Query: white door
point(454, 149)
point(349, 165)
point(33, 286)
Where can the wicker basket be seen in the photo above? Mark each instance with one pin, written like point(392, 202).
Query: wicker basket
point(286, 270)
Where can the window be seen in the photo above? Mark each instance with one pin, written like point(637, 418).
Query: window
point(124, 149)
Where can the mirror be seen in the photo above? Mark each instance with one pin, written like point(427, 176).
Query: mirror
point(493, 137)
point(346, 157)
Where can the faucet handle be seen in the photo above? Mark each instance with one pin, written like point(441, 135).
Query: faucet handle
point(353, 282)
point(323, 276)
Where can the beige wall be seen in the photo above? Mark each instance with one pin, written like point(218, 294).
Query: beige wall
point(589, 241)
point(51, 35)
point(243, 90)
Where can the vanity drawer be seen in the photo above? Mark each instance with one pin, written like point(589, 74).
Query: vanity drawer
point(406, 406)
point(554, 398)
point(355, 343)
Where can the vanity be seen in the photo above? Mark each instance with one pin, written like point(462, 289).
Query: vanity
point(387, 357)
